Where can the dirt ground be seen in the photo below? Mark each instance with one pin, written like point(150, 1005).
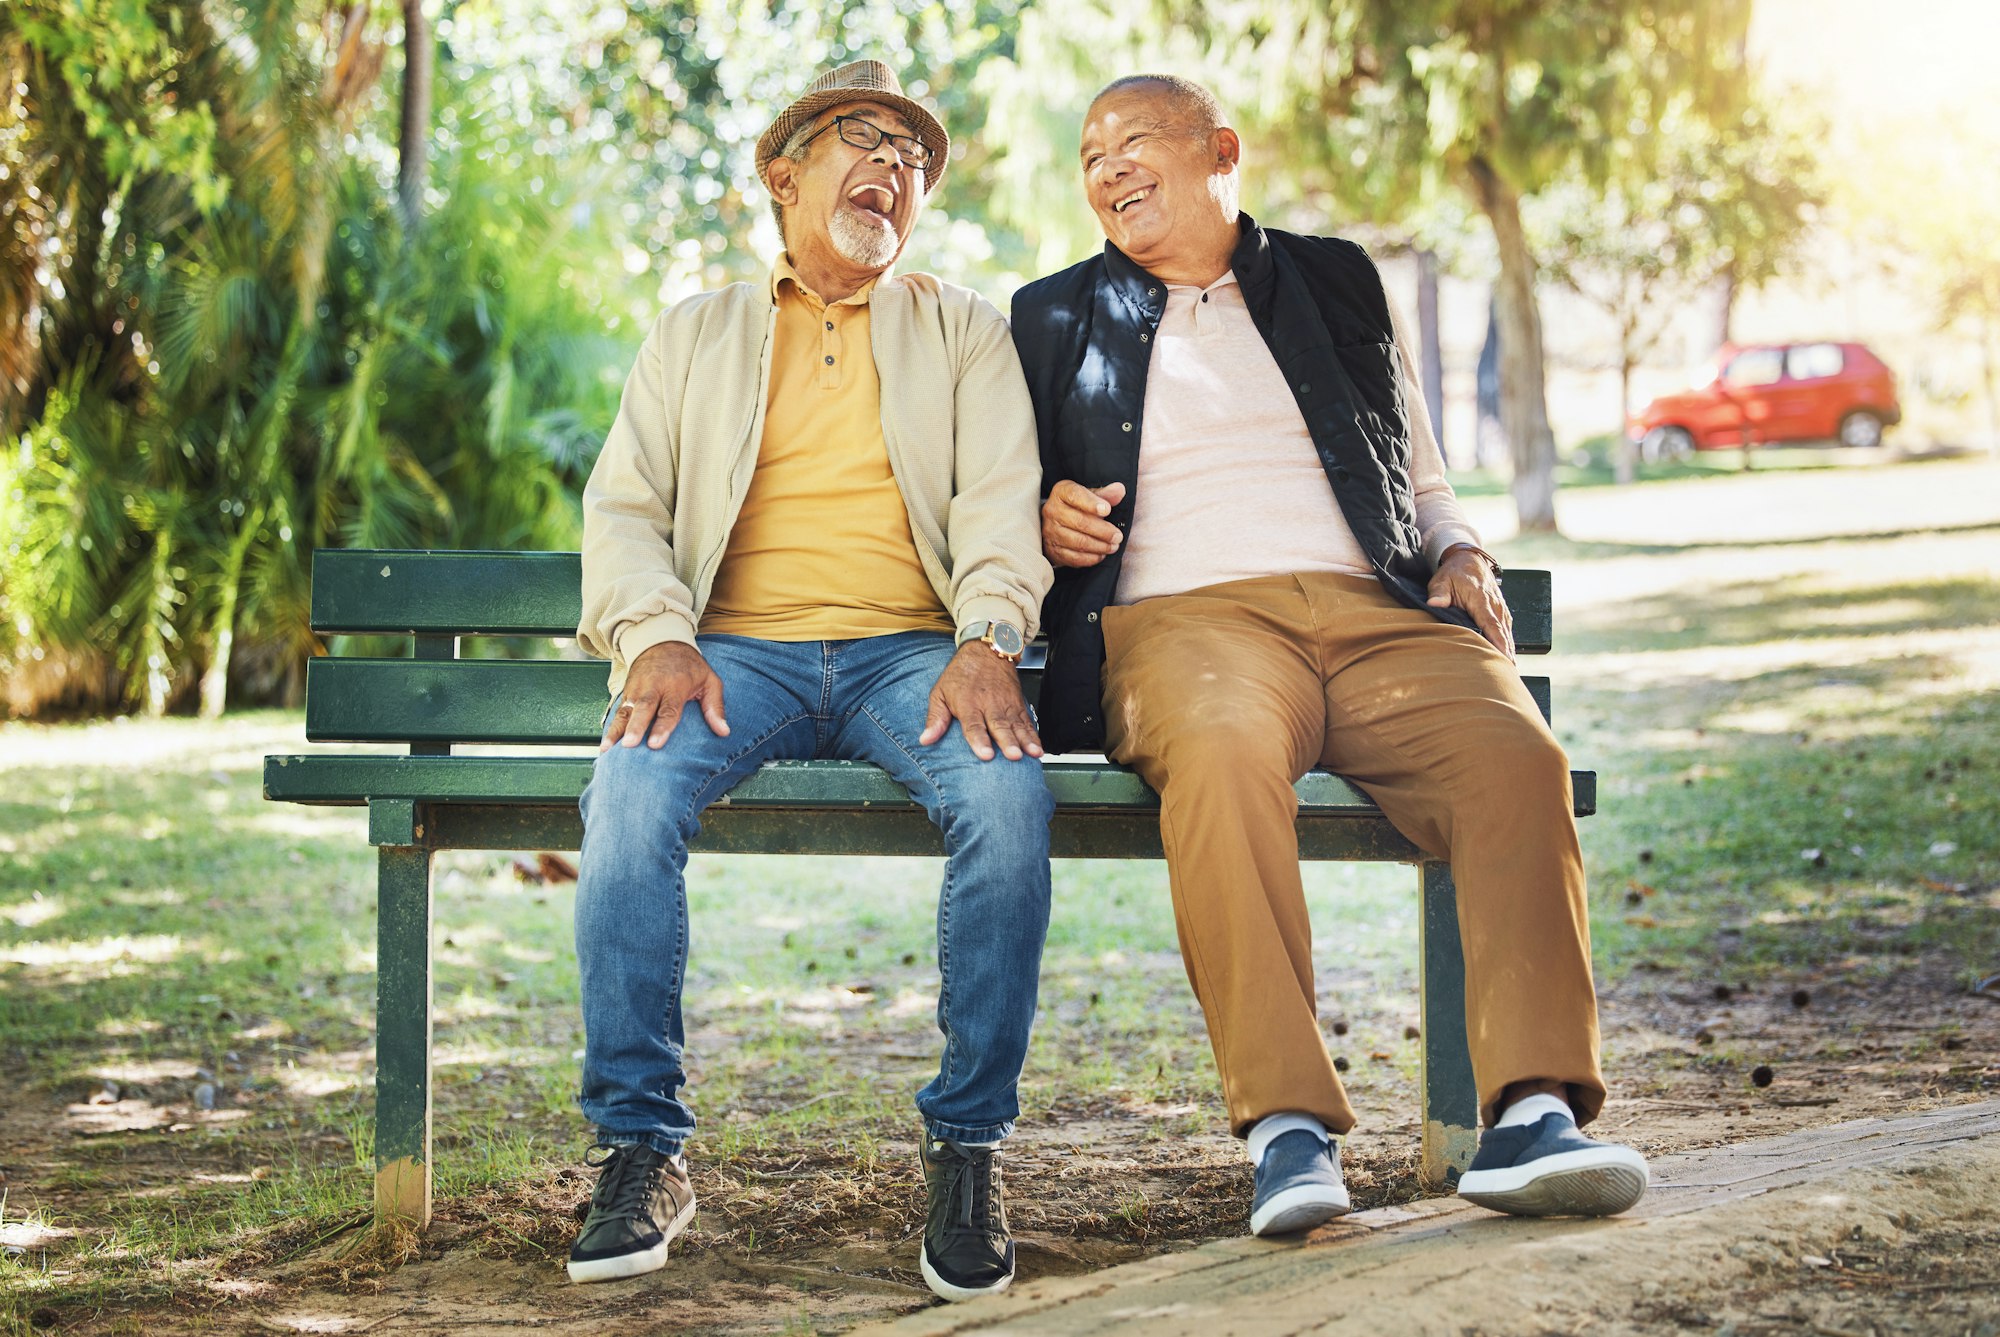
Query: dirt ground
point(801, 1240)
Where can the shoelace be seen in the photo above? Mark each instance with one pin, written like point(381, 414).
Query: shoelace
point(624, 1190)
point(973, 1180)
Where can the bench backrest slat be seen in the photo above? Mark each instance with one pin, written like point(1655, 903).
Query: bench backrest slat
point(546, 701)
point(374, 591)
point(371, 591)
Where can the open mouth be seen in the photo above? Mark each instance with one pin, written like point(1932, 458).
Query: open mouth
point(872, 200)
point(1121, 205)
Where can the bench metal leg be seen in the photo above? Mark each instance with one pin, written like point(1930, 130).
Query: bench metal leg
point(403, 1035)
point(1450, 1097)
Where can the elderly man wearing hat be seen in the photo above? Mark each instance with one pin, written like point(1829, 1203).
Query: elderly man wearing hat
point(812, 533)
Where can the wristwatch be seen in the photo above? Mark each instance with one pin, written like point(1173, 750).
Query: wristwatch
point(1002, 638)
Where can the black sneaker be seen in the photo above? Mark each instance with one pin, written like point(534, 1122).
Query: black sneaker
point(642, 1200)
point(967, 1251)
point(1548, 1168)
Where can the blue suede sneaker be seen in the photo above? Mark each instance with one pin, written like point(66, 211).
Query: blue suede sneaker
point(1548, 1168)
point(1298, 1184)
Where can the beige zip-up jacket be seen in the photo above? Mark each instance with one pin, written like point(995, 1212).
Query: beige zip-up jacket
point(667, 487)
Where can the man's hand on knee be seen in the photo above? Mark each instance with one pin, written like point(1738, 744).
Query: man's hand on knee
point(1074, 530)
point(662, 681)
point(982, 692)
point(1465, 579)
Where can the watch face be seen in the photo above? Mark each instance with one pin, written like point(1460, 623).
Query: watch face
point(1006, 638)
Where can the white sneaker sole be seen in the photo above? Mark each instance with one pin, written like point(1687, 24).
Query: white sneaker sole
point(1299, 1208)
point(1598, 1181)
point(634, 1264)
point(946, 1290)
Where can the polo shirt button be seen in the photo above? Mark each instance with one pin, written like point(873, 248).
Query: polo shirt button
point(829, 360)
point(1126, 427)
point(829, 324)
point(1090, 617)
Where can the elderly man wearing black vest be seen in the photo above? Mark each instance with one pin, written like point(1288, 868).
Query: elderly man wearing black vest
point(1260, 569)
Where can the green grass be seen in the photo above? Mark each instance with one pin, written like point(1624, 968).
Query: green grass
point(162, 926)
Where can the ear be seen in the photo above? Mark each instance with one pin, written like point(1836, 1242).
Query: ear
point(782, 175)
point(1228, 148)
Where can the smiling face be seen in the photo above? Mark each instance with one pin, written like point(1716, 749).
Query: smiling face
point(857, 204)
point(1163, 189)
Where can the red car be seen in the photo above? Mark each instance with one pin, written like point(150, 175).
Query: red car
point(1781, 392)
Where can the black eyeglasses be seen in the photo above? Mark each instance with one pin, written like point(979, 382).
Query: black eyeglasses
point(863, 135)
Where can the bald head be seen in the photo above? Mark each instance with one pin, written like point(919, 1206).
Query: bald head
point(1184, 100)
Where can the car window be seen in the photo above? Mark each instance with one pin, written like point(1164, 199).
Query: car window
point(1756, 366)
point(1812, 362)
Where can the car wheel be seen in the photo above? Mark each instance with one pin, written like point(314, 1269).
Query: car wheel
point(1666, 443)
point(1861, 429)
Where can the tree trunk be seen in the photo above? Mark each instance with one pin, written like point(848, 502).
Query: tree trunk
point(1727, 315)
point(1992, 400)
point(215, 678)
point(1430, 344)
point(1524, 408)
point(222, 639)
point(413, 164)
point(1624, 450)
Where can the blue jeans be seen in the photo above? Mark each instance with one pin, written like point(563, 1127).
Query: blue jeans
point(859, 700)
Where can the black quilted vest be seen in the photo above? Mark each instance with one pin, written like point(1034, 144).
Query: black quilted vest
point(1085, 338)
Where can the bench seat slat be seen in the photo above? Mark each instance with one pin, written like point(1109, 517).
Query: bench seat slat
point(905, 831)
point(805, 786)
point(357, 700)
point(363, 591)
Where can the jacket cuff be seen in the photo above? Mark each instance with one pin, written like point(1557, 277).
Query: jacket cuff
point(1449, 536)
point(993, 608)
point(639, 637)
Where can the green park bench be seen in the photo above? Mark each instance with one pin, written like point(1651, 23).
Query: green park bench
point(431, 799)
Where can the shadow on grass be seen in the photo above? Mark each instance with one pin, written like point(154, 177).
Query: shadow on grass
point(1753, 612)
point(1842, 834)
point(1541, 549)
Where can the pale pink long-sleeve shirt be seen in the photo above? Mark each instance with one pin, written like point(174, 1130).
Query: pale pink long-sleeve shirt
point(1229, 485)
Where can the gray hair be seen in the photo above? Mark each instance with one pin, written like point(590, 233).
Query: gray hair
point(1191, 103)
point(796, 148)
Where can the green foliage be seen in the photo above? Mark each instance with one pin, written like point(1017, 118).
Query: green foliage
point(666, 99)
point(218, 385)
point(119, 64)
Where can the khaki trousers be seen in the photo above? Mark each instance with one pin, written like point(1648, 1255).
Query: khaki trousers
point(1222, 697)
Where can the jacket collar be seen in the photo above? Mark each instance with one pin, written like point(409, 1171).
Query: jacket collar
point(1147, 296)
point(782, 273)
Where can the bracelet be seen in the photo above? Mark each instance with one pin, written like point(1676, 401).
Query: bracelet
point(1473, 548)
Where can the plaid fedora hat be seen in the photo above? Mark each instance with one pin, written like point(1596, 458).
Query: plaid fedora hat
point(858, 81)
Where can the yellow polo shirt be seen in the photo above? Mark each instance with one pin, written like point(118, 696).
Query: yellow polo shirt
point(822, 548)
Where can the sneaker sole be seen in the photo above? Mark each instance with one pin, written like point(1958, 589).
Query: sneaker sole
point(1300, 1208)
point(633, 1264)
point(946, 1290)
point(1576, 1183)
